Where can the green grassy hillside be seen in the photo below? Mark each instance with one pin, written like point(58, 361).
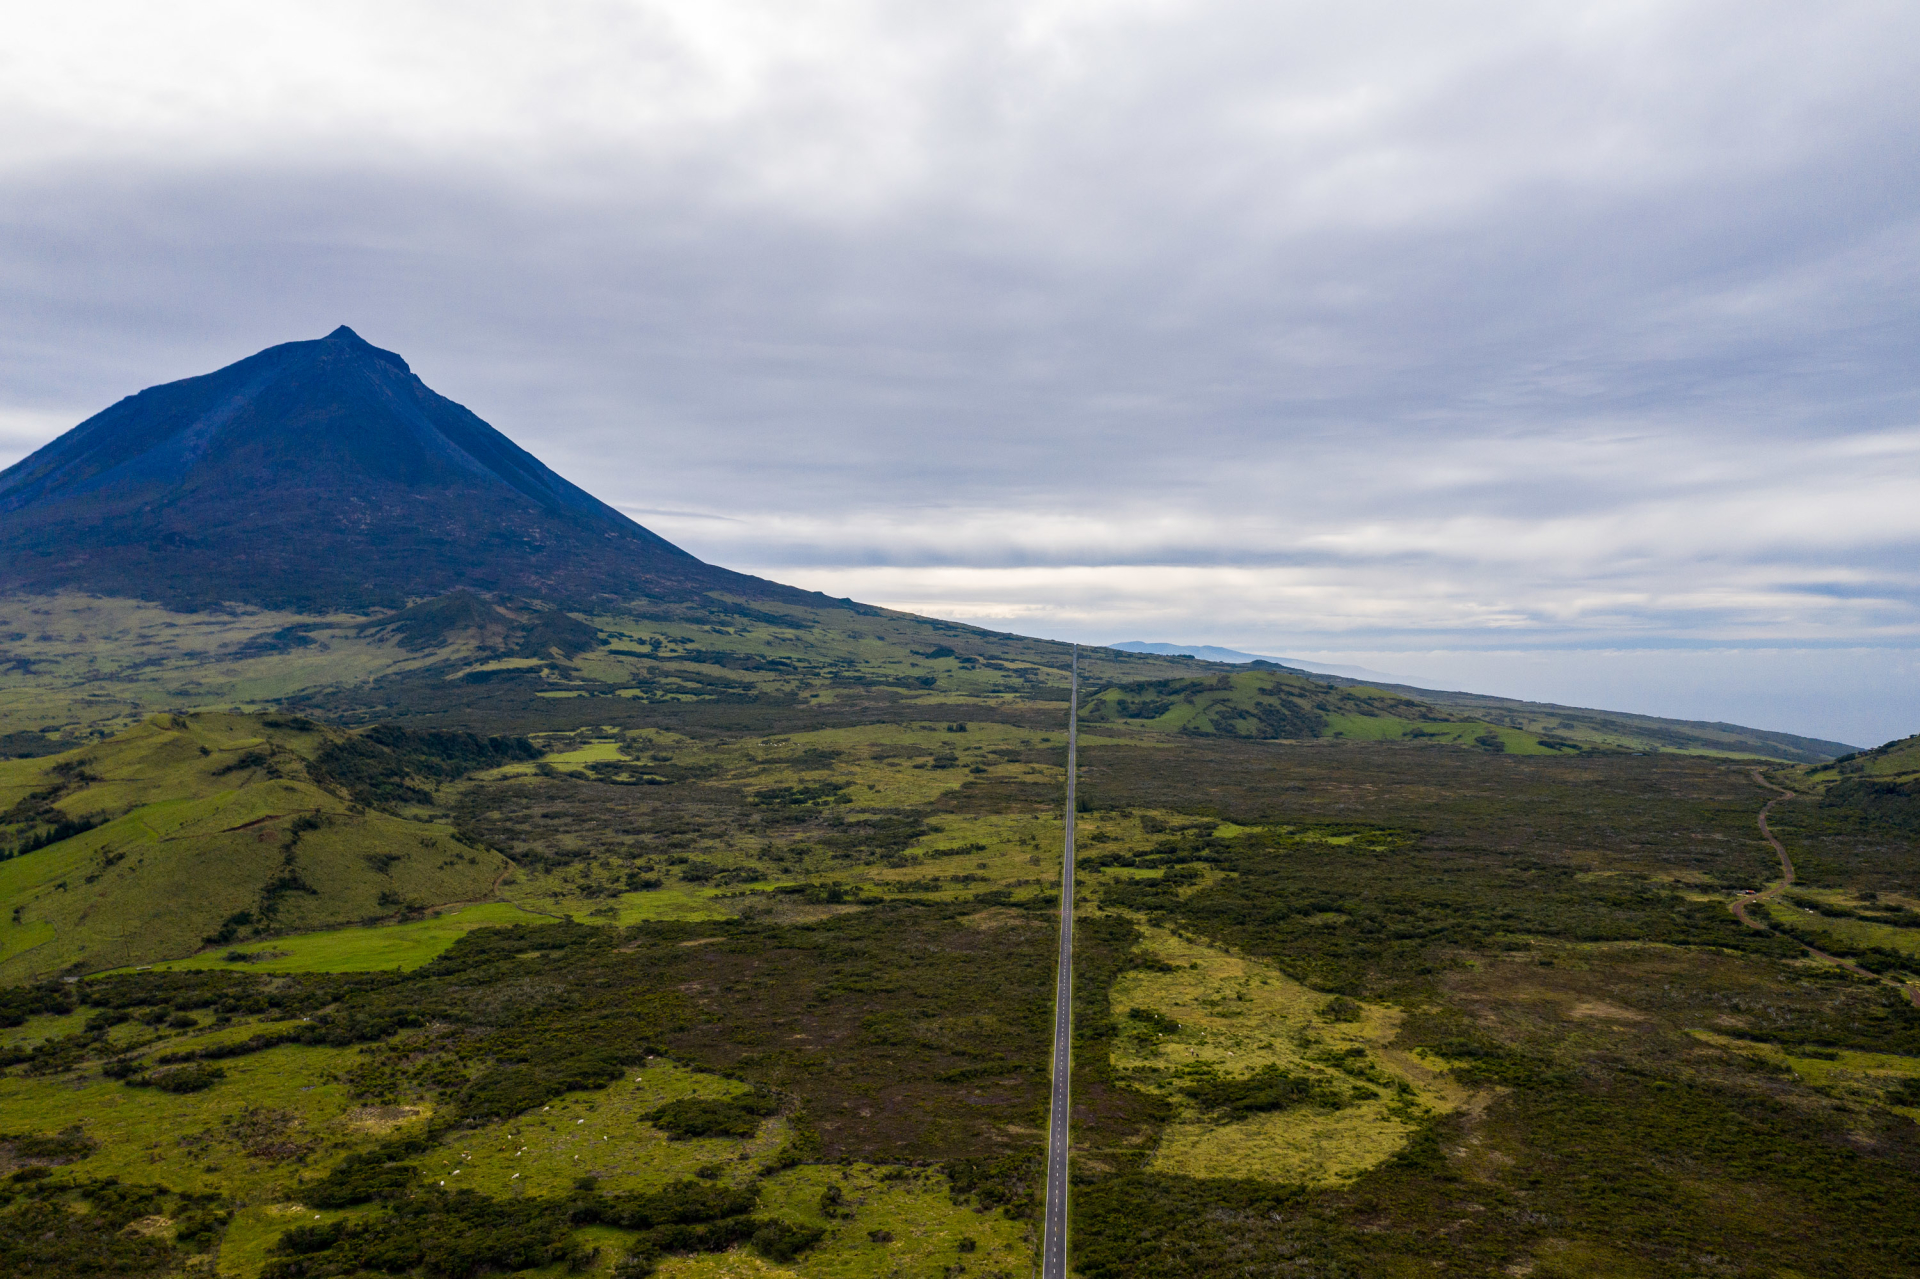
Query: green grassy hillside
point(1617, 730)
point(208, 830)
point(1268, 704)
point(83, 667)
point(1896, 762)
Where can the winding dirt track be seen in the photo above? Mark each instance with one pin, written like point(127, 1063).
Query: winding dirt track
point(1771, 891)
point(1754, 898)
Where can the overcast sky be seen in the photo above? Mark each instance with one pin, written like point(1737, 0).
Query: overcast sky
point(1558, 350)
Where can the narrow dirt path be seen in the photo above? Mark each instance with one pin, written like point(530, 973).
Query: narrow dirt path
point(1771, 891)
point(1759, 897)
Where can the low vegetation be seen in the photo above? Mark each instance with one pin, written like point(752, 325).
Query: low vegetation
point(718, 939)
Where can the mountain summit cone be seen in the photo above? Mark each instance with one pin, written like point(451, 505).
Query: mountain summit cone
point(317, 476)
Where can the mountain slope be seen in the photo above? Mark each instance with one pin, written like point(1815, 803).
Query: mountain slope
point(318, 476)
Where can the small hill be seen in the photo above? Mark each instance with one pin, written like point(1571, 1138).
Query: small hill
point(1897, 761)
point(1881, 785)
point(217, 830)
point(318, 476)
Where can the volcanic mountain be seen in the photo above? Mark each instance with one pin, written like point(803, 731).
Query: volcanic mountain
point(317, 476)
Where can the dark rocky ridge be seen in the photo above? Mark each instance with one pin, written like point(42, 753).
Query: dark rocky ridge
point(318, 476)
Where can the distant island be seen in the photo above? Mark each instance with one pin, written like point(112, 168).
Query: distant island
point(1211, 653)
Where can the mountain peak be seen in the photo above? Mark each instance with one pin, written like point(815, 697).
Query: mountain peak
point(319, 474)
point(346, 337)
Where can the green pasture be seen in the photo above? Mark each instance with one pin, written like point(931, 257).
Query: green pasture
point(878, 765)
point(198, 1141)
point(604, 1134)
point(1854, 932)
point(97, 664)
point(1862, 1076)
point(914, 1207)
point(1390, 728)
point(1267, 704)
point(678, 901)
point(1232, 1016)
point(378, 948)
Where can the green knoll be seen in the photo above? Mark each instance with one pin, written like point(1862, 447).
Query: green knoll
point(211, 830)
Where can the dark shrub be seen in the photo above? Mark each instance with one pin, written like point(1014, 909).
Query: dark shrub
point(783, 1241)
point(1269, 1088)
point(371, 1174)
point(704, 1117)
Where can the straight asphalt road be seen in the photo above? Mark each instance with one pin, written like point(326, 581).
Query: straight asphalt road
point(1053, 1243)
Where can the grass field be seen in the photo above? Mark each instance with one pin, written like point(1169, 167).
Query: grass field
point(287, 1102)
point(1390, 728)
point(1894, 761)
point(1859, 1077)
point(1236, 1016)
point(604, 1134)
point(915, 1207)
point(1852, 934)
point(359, 950)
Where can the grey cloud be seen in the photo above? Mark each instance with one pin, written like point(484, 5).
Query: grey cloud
point(1486, 309)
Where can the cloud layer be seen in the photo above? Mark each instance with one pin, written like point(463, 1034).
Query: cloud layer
point(1364, 328)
